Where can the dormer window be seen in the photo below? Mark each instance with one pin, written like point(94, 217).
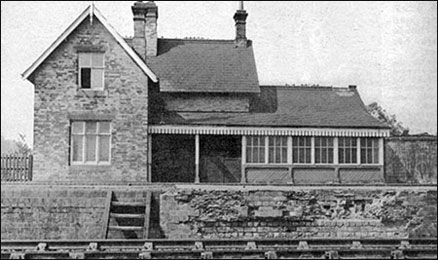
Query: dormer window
point(91, 70)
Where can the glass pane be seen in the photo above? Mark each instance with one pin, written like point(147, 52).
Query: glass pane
point(90, 152)
point(324, 156)
point(104, 127)
point(330, 155)
point(341, 155)
point(77, 127)
point(324, 142)
point(104, 148)
point(277, 141)
point(84, 59)
point(255, 140)
point(85, 77)
point(284, 155)
point(97, 79)
point(376, 155)
point(97, 60)
point(271, 155)
point(369, 142)
point(354, 155)
point(301, 141)
point(301, 155)
point(369, 156)
point(255, 155)
point(91, 127)
point(347, 156)
point(353, 142)
point(308, 141)
point(294, 142)
point(363, 142)
point(262, 155)
point(363, 155)
point(248, 155)
point(330, 142)
point(295, 155)
point(308, 155)
point(277, 155)
point(317, 155)
point(271, 141)
point(77, 148)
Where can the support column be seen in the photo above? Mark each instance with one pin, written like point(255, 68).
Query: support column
point(243, 171)
point(336, 157)
point(382, 158)
point(358, 151)
point(149, 173)
point(197, 180)
point(312, 150)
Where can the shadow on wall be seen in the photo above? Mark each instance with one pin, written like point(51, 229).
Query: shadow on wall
point(411, 160)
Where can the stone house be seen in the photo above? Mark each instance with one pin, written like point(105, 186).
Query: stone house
point(145, 109)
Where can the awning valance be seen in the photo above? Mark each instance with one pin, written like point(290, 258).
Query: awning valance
point(290, 131)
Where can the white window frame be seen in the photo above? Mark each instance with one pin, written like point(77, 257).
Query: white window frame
point(96, 162)
point(305, 147)
point(352, 155)
point(102, 67)
point(249, 144)
point(327, 147)
point(281, 147)
point(375, 146)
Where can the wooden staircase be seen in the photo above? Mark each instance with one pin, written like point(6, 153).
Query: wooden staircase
point(126, 218)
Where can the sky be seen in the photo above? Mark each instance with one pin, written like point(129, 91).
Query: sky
point(387, 49)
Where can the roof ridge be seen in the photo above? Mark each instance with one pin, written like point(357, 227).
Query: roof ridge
point(200, 40)
point(308, 87)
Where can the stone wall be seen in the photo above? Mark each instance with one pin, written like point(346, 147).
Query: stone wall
point(411, 159)
point(59, 100)
point(42, 212)
point(299, 213)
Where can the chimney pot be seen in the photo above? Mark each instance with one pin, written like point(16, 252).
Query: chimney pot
point(352, 87)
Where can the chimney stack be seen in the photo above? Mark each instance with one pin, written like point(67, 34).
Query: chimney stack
point(145, 28)
point(151, 18)
point(139, 41)
point(240, 19)
point(352, 87)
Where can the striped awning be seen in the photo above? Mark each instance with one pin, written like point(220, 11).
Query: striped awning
point(290, 131)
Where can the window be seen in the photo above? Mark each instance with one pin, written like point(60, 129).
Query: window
point(277, 149)
point(323, 150)
point(90, 142)
point(369, 150)
point(347, 150)
point(255, 149)
point(91, 70)
point(301, 149)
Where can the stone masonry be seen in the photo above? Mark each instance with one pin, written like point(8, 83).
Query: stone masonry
point(299, 213)
point(58, 99)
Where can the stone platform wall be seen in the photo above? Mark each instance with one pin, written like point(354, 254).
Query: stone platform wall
point(300, 213)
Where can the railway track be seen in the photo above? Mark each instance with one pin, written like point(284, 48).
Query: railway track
point(221, 249)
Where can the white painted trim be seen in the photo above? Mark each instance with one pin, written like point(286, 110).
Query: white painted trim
point(72, 27)
point(381, 151)
point(197, 179)
point(358, 152)
point(312, 151)
point(336, 151)
point(290, 131)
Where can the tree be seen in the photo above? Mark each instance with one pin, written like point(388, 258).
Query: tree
point(378, 112)
point(22, 146)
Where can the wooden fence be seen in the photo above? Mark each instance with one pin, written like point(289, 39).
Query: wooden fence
point(16, 167)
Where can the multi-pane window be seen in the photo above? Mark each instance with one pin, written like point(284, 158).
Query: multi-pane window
point(301, 149)
point(255, 149)
point(90, 142)
point(369, 150)
point(277, 149)
point(347, 150)
point(323, 150)
point(91, 70)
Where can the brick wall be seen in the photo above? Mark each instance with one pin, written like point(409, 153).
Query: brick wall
point(299, 213)
point(42, 212)
point(57, 97)
point(411, 160)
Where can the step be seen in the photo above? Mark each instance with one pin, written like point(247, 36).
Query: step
point(125, 228)
point(128, 204)
point(123, 215)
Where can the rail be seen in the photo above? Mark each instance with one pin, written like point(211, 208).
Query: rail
point(221, 248)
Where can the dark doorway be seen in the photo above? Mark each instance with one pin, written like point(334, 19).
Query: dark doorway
point(220, 159)
point(173, 158)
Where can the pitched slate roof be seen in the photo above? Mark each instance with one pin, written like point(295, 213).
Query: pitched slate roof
point(279, 106)
point(187, 65)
